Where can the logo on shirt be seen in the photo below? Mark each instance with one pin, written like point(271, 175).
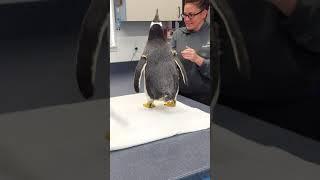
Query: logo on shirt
point(206, 45)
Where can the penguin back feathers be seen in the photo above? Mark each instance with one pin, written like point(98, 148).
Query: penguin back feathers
point(156, 32)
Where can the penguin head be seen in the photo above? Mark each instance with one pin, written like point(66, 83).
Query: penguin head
point(156, 30)
point(156, 19)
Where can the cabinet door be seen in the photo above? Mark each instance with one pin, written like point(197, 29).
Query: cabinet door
point(144, 10)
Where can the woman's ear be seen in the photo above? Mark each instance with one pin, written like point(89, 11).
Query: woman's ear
point(208, 15)
point(205, 14)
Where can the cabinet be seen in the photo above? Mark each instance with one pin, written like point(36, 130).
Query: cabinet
point(144, 10)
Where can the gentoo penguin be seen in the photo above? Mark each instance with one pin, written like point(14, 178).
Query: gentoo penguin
point(161, 68)
point(95, 24)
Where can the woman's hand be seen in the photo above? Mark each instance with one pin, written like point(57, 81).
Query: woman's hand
point(191, 55)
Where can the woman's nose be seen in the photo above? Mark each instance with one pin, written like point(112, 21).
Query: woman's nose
point(186, 18)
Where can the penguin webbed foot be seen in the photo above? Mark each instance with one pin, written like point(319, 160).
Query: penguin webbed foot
point(149, 105)
point(171, 103)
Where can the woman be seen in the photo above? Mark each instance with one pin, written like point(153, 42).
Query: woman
point(188, 41)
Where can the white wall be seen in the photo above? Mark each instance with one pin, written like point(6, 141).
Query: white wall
point(130, 35)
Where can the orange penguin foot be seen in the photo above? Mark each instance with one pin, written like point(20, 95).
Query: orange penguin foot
point(171, 103)
point(149, 105)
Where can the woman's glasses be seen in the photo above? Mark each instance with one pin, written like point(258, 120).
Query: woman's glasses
point(190, 15)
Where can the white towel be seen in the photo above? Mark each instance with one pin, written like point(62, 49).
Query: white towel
point(131, 124)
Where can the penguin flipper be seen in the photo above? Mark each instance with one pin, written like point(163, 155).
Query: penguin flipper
point(138, 72)
point(180, 67)
point(94, 25)
point(227, 18)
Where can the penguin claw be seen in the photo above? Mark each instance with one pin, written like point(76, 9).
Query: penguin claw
point(149, 105)
point(171, 103)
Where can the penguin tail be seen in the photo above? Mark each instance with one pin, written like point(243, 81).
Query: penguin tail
point(168, 97)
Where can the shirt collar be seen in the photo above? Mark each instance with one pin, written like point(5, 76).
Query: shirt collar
point(204, 26)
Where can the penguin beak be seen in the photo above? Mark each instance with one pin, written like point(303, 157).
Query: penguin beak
point(156, 19)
